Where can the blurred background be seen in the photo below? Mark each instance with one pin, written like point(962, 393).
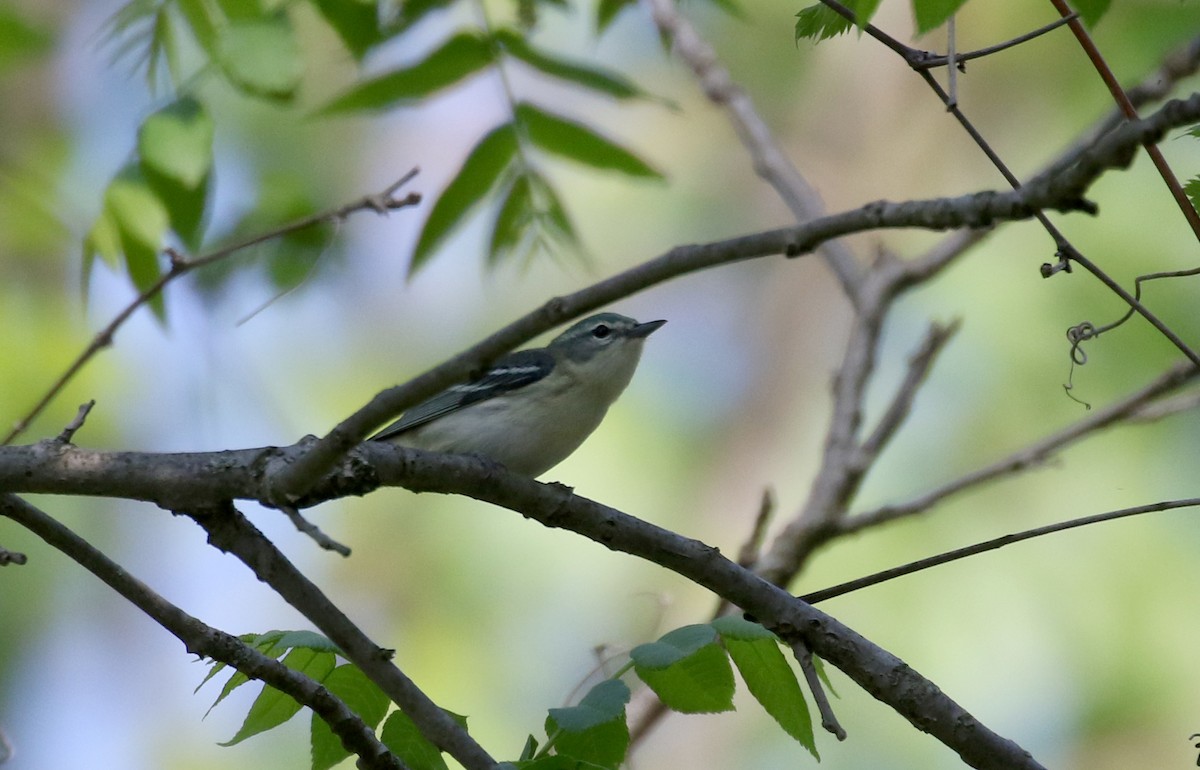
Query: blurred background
point(1078, 646)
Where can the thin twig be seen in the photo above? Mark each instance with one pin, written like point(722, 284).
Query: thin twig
point(769, 160)
point(1114, 86)
point(1031, 456)
point(379, 202)
point(932, 62)
point(920, 363)
point(990, 545)
point(1064, 248)
point(1181, 63)
point(829, 720)
point(73, 427)
point(310, 529)
point(8, 557)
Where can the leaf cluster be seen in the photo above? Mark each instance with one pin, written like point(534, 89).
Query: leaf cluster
point(690, 669)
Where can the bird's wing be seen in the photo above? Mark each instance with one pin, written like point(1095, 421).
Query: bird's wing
point(510, 372)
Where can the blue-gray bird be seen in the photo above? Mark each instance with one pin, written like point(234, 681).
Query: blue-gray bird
point(531, 409)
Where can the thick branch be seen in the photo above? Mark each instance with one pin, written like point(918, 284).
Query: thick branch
point(204, 640)
point(1061, 190)
point(880, 673)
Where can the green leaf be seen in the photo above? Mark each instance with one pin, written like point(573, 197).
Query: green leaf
point(141, 221)
point(1192, 189)
point(603, 703)
point(177, 142)
point(185, 208)
point(205, 20)
point(931, 14)
point(104, 239)
point(404, 740)
point(595, 731)
point(21, 39)
point(773, 684)
point(604, 745)
point(364, 698)
point(261, 57)
point(737, 627)
point(687, 669)
point(577, 142)
point(462, 55)
point(272, 707)
point(674, 646)
point(607, 11)
point(513, 220)
point(1091, 11)
point(551, 214)
point(412, 11)
point(479, 173)
point(356, 23)
point(608, 83)
point(820, 22)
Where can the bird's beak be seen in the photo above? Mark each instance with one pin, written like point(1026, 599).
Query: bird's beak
point(644, 330)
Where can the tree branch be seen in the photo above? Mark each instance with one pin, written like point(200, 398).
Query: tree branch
point(228, 530)
point(1061, 190)
point(206, 641)
point(877, 671)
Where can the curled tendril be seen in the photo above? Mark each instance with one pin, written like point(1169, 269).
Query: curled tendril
point(1077, 335)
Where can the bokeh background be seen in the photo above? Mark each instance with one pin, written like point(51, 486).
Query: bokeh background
point(1079, 646)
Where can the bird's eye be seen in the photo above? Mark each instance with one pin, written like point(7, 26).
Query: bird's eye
point(601, 331)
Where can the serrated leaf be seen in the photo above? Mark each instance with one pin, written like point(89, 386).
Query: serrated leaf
point(687, 669)
point(603, 703)
point(1091, 11)
point(931, 14)
point(773, 684)
point(261, 57)
point(819, 22)
point(674, 646)
point(1192, 189)
point(579, 143)
point(603, 745)
point(177, 142)
point(701, 683)
point(459, 57)
point(594, 78)
point(479, 173)
point(404, 740)
point(272, 707)
point(362, 696)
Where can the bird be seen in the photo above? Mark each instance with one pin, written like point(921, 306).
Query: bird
point(531, 408)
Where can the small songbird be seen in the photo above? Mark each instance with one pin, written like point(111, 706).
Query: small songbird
point(531, 409)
